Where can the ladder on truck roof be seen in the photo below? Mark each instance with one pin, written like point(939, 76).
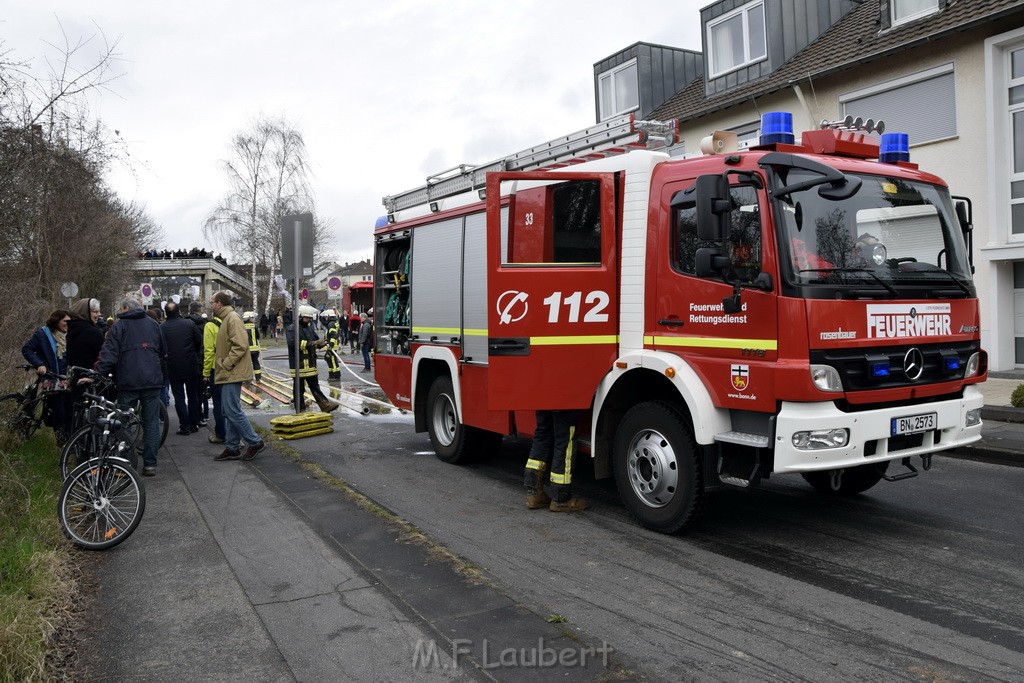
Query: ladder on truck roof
point(614, 136)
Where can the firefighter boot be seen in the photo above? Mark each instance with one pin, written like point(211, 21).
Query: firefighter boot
point(327, 405)
point(536, 497)
point(574, 504)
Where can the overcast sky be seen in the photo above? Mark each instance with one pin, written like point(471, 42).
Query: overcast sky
point(384, 92)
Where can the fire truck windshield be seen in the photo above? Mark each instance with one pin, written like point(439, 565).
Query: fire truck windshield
point(892, 238)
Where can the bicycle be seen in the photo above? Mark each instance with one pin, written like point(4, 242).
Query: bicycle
point(102, 499)
point(87, 440)
point(102, 388)
point(26, 409)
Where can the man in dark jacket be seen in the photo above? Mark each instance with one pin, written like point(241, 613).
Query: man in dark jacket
point(184, 348)
point(195, 314)
point(135, 351)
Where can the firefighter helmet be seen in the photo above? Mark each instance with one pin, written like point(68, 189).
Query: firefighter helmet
point(307, 312)
point(248, 315)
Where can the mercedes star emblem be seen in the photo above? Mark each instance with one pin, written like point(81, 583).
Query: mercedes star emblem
point(913, 364)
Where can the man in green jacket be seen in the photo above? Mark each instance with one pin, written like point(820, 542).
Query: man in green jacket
point(232, 365)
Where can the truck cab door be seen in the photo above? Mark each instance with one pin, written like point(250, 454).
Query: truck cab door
point(552, 283)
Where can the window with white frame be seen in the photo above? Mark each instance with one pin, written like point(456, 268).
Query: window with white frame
point(737, 39)
point(899, 104)
point(619, 90)
point(1015, 101)
point(908, 10)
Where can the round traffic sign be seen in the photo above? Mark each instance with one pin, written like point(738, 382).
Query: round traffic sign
point(146, 289)
point(69, 289)
point(304, 294)
point(334, 283)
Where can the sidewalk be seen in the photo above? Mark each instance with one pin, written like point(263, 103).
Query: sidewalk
point(1002, 432)
point(260, 571)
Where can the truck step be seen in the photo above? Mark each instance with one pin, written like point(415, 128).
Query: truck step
point(743, 439)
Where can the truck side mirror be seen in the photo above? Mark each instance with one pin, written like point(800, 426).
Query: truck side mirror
point(963, 217)
point(710, 262)
point(713, 208)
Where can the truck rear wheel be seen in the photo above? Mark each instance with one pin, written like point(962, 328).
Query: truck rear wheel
point(453, 441)
point(854, 480)
point(657, 468)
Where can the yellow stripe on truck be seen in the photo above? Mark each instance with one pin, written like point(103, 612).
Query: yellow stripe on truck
point(714, 342)
point(575, 340)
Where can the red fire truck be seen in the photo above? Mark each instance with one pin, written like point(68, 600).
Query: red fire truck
point(799, 306)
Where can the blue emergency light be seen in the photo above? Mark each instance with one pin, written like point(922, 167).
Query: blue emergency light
point(952, 364)
point(879, 369)
point(777, 126)
point(381, 222)
point(894, 147)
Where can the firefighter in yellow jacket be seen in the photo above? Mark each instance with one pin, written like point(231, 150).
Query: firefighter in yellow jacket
point(333, 343)
point(249, 318)
point(309, 342)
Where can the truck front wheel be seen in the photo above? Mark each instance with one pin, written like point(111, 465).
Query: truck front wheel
point(657, 468)
point(453, 441)
point(853, 480)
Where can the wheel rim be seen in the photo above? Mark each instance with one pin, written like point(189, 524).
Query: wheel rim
point(652, 468)
point(100, 505)
point(444, 420)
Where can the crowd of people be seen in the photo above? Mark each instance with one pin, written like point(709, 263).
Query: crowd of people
point(193, 253)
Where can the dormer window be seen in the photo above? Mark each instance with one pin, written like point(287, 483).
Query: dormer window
point(619, 89)
point(736, 39)
point(908, 10)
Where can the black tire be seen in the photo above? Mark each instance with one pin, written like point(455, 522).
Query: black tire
point(100, 505)
point(78, 449)
point(853, 481)
point(658, 468)
point(453, 441)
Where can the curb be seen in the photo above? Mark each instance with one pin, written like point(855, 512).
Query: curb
point(1002, 414)
point(982, 453)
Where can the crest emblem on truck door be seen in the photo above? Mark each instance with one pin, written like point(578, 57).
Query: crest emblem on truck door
point(740, 375)
point(512, 306)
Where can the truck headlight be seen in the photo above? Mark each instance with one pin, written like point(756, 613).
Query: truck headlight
point(972, 365)
point(826, 378)
point(973, 417)
point(821, 438)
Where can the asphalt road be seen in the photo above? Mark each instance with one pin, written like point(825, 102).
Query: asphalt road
point(919, 579)
point(915, 580)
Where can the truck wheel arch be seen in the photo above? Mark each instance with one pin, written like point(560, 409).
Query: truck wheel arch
point(428, 363)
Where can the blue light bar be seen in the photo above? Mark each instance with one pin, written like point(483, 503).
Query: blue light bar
point(879, 369)
point(777, 126)
point(952, 363)
point(894, 147)
point(381, 222)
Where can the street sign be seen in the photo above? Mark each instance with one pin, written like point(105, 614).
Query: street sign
point(304, 294)
point(69, 289)
point(334, 283)
point(146, 290)
point(297, 244)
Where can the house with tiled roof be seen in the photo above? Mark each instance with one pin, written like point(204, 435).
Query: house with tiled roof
point(949, 73)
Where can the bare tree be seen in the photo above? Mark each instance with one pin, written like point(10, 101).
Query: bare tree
point(59, 221)
point(268, 178)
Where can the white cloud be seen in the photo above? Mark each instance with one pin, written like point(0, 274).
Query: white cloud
point(384, 93)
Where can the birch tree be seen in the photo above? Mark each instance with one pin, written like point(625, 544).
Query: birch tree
point(268, 177)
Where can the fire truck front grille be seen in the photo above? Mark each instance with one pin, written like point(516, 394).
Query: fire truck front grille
point(856, 366)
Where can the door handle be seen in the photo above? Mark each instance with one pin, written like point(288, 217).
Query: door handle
point(508, 346)
point(672, 322)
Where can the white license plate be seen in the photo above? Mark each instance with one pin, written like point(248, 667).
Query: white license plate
point(913, 424)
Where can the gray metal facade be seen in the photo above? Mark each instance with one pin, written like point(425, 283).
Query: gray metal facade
point(474, 289)
point(436, 298)
point(790, 26)
point(662, 72)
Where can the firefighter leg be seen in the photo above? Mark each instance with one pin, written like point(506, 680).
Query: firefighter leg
point(564, 428)
point(326, 404)
point(333, 369)
point(256, 369)
point(537, 464)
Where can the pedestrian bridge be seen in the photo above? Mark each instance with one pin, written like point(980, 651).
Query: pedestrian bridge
point(211, 273)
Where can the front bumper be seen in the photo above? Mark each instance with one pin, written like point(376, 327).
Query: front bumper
point(870, 430)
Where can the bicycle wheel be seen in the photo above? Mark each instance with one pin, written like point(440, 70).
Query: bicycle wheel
point(79, 448)
point(165, 424)
point(23, 415)
point(101, 503)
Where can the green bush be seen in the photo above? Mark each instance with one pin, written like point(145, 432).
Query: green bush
point(1017, 397)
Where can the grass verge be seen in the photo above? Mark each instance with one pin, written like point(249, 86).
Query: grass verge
point(39, 584)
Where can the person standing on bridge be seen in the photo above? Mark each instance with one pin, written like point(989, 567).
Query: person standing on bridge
point(232, 366)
